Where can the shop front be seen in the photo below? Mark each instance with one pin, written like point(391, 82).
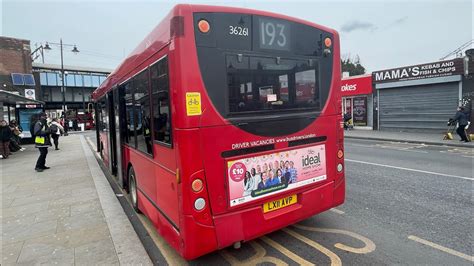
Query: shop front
point(419, 98)
point(357, 100)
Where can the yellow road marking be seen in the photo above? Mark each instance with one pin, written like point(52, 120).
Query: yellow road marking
point(257, 258)
point(285, 251)
point(336, 211)
point(171, 256)
point(335, 260)
point(439, 247)
point(369, 244)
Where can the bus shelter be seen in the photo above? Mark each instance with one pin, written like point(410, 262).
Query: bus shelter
point(20, 108)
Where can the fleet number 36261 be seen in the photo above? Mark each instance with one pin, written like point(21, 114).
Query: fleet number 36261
point(236, 30)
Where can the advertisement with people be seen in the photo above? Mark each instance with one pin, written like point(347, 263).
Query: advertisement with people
point(257, 177)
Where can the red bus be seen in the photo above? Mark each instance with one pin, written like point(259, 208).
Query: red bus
point(224, 124)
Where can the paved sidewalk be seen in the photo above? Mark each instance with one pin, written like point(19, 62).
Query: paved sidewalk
point(426, 138)
point(67, 215)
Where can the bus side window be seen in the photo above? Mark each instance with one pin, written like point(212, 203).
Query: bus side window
point(160, 101)
point(142, 109)
point(103, 126)
point(129, 133)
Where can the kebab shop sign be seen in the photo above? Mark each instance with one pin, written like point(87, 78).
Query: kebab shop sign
point(430, 70)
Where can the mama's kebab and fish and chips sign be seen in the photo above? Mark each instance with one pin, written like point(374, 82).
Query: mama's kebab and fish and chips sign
point(429, 70)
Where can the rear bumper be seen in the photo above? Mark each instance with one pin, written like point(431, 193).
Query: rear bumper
point(251, 223)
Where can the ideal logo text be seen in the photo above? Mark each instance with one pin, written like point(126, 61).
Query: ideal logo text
point(310, 160)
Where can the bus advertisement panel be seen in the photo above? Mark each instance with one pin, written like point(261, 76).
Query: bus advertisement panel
point(256, 177)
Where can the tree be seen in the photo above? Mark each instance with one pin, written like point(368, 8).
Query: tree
point(352, 65)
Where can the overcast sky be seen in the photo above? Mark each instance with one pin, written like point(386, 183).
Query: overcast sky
point(384, 34)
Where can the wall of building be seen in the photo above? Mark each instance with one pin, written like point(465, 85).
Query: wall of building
point(14, 58)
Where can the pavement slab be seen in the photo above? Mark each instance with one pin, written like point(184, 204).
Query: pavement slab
point(10, 253)
point(57, 216)
point(98, 253)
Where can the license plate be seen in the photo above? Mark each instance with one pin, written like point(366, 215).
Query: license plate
point(280, 203)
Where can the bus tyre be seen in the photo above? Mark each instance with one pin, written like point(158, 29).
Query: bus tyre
point(132, 188)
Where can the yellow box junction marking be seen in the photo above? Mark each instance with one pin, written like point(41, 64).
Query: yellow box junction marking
point(193, 103)
point(285, 251)
point(335, 260)
point(258, 258)
point(369, 244)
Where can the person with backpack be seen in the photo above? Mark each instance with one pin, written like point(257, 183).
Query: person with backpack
point(5, 135)
point(42, 133)
point(56, 130)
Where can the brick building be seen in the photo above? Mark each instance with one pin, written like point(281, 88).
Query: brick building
point(15, 58)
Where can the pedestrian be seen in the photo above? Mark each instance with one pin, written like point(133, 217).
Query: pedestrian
point(75, 124)
point(69, 124)
point(65, 125)
point(347, 121)
point(461, 118)
point(5, 136)
point(56, 130)
point(42, 141)
point(15, 140)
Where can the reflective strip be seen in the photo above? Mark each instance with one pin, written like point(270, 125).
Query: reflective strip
point(39, 140)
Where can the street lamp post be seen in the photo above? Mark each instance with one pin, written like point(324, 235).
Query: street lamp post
point(63, 88)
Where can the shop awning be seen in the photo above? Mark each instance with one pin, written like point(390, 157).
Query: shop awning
point(10, 98)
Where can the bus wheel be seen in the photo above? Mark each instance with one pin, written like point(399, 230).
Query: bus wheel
point(132, 187)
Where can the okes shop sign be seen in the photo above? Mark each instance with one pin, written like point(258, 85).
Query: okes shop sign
point(430, 70)
point(357, 85)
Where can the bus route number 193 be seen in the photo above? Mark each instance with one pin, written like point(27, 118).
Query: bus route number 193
point(237, 30)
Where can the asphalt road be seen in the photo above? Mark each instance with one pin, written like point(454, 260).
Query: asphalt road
point(405, 204)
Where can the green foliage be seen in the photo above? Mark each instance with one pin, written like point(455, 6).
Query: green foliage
point(352, 65)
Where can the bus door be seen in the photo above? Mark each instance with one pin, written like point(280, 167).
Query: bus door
point(110, 132)
point(117, 110)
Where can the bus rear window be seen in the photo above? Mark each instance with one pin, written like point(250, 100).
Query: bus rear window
point(262, 84)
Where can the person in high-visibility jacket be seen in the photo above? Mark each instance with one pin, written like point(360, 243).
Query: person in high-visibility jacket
point(42, 141)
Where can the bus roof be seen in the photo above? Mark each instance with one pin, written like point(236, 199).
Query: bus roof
point(160, 37)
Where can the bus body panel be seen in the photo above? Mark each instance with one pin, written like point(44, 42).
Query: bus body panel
point(250, 223)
